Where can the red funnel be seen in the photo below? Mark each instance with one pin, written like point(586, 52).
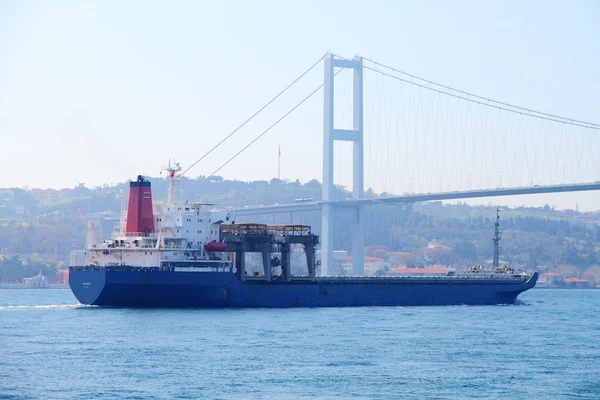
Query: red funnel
point(140, 219)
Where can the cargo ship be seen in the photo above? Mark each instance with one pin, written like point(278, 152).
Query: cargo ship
point(175, 253)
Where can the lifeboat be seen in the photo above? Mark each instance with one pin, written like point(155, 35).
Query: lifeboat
point(215, 246)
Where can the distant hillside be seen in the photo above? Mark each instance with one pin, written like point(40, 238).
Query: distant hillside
point(53, 223)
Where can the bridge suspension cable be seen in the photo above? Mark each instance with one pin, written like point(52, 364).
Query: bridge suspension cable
point(272, 126)
point(425, 139)
point(252, 117)
point(481, 100)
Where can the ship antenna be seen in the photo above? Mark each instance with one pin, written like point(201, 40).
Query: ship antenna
point(497, 238)
point(172, 169)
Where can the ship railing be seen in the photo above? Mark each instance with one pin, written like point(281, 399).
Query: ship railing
point(263, 229)
point(140, 234)
point(494, 273)
point(115, 246)
point(425, 277)
point(289, 230)
point(243, 229)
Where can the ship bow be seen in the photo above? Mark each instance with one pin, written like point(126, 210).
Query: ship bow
point(87, 284)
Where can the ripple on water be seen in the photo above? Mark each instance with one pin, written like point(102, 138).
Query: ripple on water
point(548, 346)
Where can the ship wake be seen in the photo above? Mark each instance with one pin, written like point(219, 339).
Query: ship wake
point(45, 307)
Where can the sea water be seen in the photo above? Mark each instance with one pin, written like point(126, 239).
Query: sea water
point(548, 346)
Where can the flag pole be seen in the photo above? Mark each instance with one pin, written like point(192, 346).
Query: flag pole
point(279, 164)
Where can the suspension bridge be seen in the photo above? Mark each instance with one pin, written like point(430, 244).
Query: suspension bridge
point(427, 141)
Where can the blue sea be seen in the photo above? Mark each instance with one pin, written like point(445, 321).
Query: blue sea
point(546, 347)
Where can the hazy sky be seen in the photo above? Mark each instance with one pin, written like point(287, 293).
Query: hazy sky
point(99, 92)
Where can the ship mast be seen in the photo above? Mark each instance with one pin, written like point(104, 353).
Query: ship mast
point(90, 239)
point(172, 170)
point(496, 238)
point(123, 214)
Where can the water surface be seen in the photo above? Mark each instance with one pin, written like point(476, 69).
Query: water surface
point(546, 347)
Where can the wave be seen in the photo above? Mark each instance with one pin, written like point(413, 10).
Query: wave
point(45, 306)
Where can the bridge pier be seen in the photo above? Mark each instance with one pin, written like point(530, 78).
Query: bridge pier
point(327, 239)
point(330, 135)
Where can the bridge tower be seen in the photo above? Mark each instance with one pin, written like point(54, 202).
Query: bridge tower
point(355, 135)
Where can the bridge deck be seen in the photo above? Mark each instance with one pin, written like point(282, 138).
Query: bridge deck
point(411, 198)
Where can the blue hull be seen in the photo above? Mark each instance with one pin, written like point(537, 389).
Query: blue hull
point(154, 288)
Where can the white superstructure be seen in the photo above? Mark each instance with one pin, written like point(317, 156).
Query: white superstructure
point(183, 235)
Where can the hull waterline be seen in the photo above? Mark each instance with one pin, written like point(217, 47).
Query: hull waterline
point(155, 288)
